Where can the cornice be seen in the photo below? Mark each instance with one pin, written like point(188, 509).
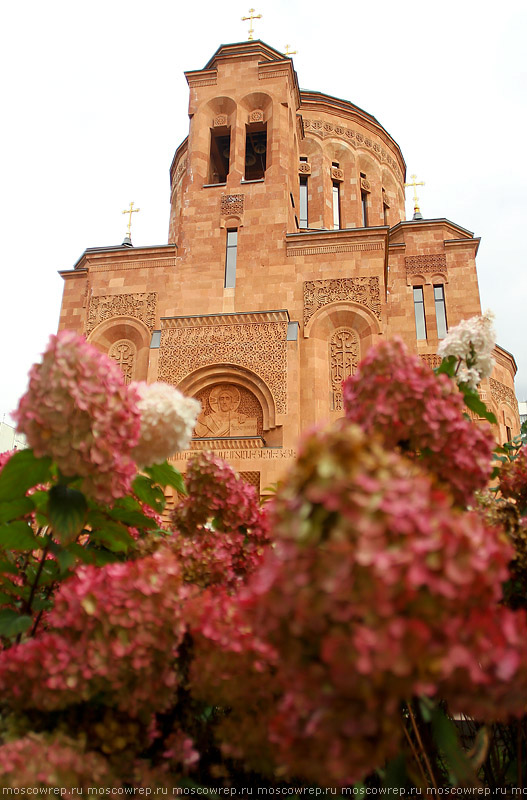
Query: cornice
point(127, 257)
point(213, 320)
point(505, 358)
point(341, 241)
point(237, 50)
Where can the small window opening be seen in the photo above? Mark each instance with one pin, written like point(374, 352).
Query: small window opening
point(335, 164)
point(509, 433)
point(303, 201)
point(419, 308)
point(255, 153)
point(336, 205)
point(230, 258)
point(385, 213)
point(220, 150)
point(304, 159)
point(439, 299)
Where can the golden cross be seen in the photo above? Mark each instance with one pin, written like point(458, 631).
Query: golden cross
point(130, 211)
point(251, 17)
point(414, 184)
point(289, 52)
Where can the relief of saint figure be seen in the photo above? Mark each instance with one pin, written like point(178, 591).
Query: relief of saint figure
point(225, 419)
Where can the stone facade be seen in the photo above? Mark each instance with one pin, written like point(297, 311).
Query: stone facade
point(288, 256)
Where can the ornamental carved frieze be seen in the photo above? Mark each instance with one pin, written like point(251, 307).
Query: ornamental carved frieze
point(365, 291)
point(232, 204)
point(353, 137)
point(257, 342)
point(140, 305)
point(343, 359)
point(433, 361)
point(503, 394)
point(252, 478)
point(125, 353)
point(256, 116)
point(220, 120)
point(417, 265)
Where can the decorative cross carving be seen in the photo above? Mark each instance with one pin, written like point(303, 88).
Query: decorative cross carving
point(414, 184)
point(251, 16)
point(130, 211)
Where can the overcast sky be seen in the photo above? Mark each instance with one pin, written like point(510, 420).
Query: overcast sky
point(94, 104)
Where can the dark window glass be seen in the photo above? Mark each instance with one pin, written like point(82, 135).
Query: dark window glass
point(230, 259)
point(220, 149)
point(439, 299)
point(303, 201)
point(255, 154)
point(419, 308)
point(364, 207)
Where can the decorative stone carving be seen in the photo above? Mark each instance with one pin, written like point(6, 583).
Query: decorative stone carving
point(256, 116)
point(385, 200)
point(343, 360)
point(503, 394)
point(253, 478)
point(220, 120)
point(356, 138)
point(348, 247)
point(141, 305)
point(181, 169)
point(125, 353)
point(232, 204)
point(304, 168)
point(365, 185)
point(228, 410)
point(337, 174)
point(365, 291)
point(417, 265)
point(430, 359)
point(255, 341)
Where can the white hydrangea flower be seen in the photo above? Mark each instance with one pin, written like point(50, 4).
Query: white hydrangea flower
point(167, 422)
point(472, 343)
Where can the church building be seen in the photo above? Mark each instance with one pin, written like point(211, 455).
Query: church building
point(288, 257)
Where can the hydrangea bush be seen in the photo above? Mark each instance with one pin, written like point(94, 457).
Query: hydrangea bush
point(326, 638)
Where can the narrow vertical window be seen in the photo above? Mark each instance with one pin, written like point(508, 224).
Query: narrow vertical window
point(364, 200)
point(230, 258)
point(439, 299)
point(419, 308)
point(255, 152)
point(385, 213)
point(336, 205)
point(303, 201)
point(509, 433)
point(220, 150)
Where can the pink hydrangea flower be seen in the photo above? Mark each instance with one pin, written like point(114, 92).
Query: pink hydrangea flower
point(394, 394)
point(78, 411)
point(167, 421)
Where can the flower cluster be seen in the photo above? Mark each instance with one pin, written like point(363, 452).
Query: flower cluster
point(59, 762)
point(221, 530)
point(167, 421)
point(513, 480)
point(395, 393)
point(113, 634)
point(78, 410)
point(378, 590)
point(472, 343)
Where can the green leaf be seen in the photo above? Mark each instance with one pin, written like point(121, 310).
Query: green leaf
point(136, 519)
point(395, 772)
point(447, 367)
point(446, 737)
point(12, 509)
point(67, 510)
point(476, 404)
point(166, 475)
point(113, 535)
point(82, 553)
point(18, 536)
point(8, 567)
point(23, 471)
point(147, 493)
point(12, 623)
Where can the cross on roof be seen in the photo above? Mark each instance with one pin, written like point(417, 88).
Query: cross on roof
point(251, 16)
point(130, 211)
point(414, 183)
point(289, 52)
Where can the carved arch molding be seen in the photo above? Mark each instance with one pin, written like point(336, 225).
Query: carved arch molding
point(256, 341)
point(365, 291)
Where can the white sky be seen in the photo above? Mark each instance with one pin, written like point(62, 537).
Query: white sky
point(94, 104)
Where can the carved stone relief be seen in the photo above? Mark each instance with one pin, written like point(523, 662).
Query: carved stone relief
point(253, 478)
point(141, 305)
point(365, 291)
point(181, 167)
point(256, 116)
point(503, 394)
point(432, 360)
point(355, 138)
point(337, 174)
point(228, 410)
point(428, 263)
point(304, 168)
point(125, 353)
point(220, 120)
point(232, 204)
point(343, 360)
point(248, 340)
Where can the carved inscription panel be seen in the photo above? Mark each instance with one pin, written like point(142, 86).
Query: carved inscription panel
point(141, 305)
point(365, 291)
point(228, 410)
